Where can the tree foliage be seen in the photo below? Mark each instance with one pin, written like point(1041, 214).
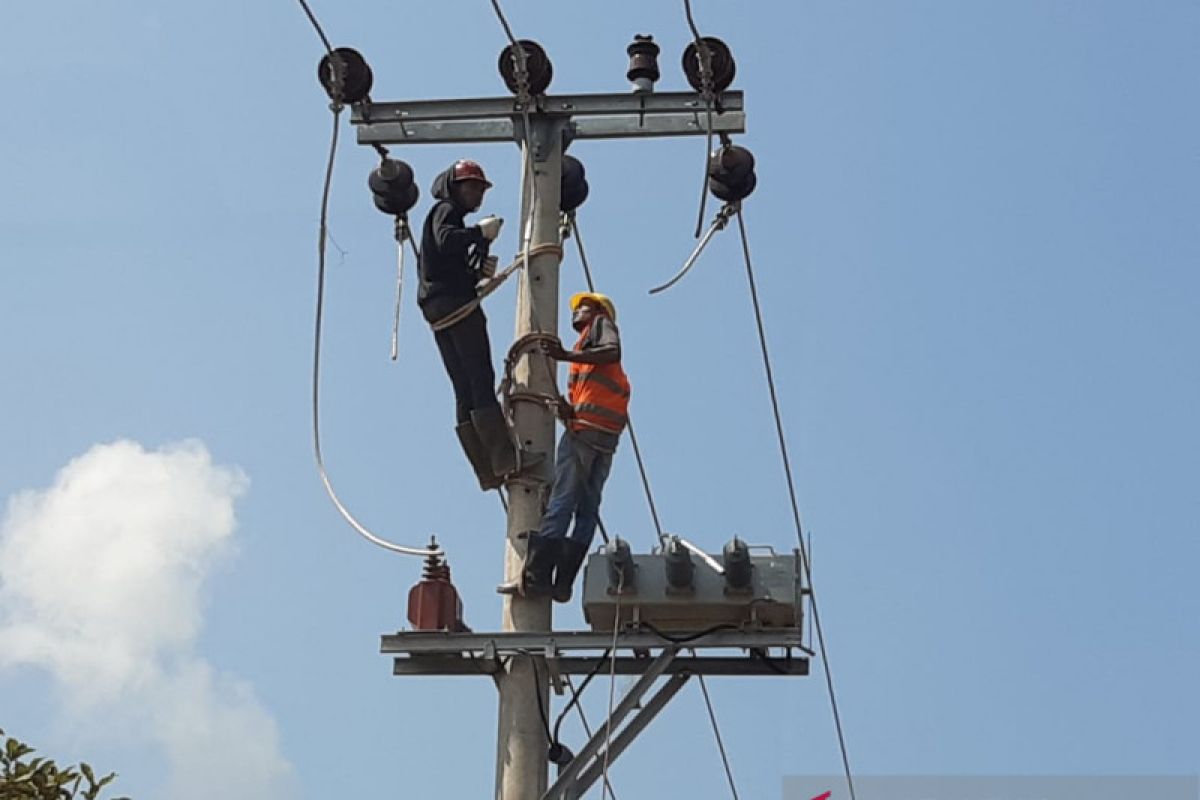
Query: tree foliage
point(25, 778)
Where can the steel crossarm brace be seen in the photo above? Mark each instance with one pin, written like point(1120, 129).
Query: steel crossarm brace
point(567, 778)
point(630, 732)
point(739, 666)
point(509, 642)
point(498, 119)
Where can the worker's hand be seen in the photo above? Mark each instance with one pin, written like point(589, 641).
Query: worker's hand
point(490, 227)
point(487, 268)
point(555, 350)
point(564, 409)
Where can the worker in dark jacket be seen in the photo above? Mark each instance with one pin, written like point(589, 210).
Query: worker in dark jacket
point(454, 258)
point(595, 413)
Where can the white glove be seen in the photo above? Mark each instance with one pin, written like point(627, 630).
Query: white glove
point(490, 227)
point(488, 268)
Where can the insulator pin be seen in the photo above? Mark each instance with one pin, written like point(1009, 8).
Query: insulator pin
point(643, 63)
point(622, 571)
point(739, 569)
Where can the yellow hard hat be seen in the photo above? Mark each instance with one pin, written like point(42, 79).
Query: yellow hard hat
point(595, 297)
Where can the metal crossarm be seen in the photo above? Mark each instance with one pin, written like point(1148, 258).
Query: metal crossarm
point(444, 653)
point(500, 119)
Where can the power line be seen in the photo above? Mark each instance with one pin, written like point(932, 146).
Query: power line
point(702, 52)
point(317, 27)
point(637, 450)
point(791, 486)
point(712, 716)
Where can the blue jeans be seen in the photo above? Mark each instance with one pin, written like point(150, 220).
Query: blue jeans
point(579, 475)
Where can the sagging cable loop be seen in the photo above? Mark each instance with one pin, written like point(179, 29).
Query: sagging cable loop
point(718, 224)
point(322, 237)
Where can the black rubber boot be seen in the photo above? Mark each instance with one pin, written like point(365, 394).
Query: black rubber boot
point(493, 433)
point(540, 560)
point(477, 454)
point(570, 559)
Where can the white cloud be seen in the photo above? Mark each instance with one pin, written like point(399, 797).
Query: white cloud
point(101, 579)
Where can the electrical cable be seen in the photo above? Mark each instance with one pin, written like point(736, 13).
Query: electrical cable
point(712, 716)
point(322, 235)
point(791, 485)
point(575, 695)
point(612, 680)
point(537, 692)
point(691, 637)
point(317, 27)
point(705, 56)
point(637, 450)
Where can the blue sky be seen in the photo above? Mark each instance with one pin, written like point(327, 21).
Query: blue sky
point(977, 244)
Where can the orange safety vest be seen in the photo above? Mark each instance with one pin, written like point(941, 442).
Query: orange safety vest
point(599, 393)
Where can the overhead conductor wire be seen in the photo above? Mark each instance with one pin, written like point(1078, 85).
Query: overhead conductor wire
point(705, 57)
point(791, 486)
point(336, 108)
point(637, 450)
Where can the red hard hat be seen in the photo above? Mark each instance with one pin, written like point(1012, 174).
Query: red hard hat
point(467, 170)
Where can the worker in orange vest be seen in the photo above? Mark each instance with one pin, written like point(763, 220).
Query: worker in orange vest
point(595, 412)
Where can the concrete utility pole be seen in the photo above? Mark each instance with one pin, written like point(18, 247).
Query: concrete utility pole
point(521, 747)
point(522, 750)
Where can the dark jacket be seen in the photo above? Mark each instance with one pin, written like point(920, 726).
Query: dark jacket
point(447, 279)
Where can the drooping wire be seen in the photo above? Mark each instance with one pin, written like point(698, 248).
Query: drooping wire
point(322, 236)
point(705, 56)
point(712, 717)
point(575, 695)
point(537, 692)
point(637, 450)
point(791, 486)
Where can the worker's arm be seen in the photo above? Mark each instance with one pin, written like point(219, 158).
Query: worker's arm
point(604, 347)
point(605, 354)
point(454, 239)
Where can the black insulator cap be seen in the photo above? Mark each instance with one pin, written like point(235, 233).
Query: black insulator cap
point(348, 80)
point(574, 184)
point(573, 196)
point(622, 571)
point(679, 565)
point(537, 64)
point(733, 192)
point(723, 67)
point(643, 59)
point(393, 186)
point(559, 754)
point(739, 569)
point(730, 164)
